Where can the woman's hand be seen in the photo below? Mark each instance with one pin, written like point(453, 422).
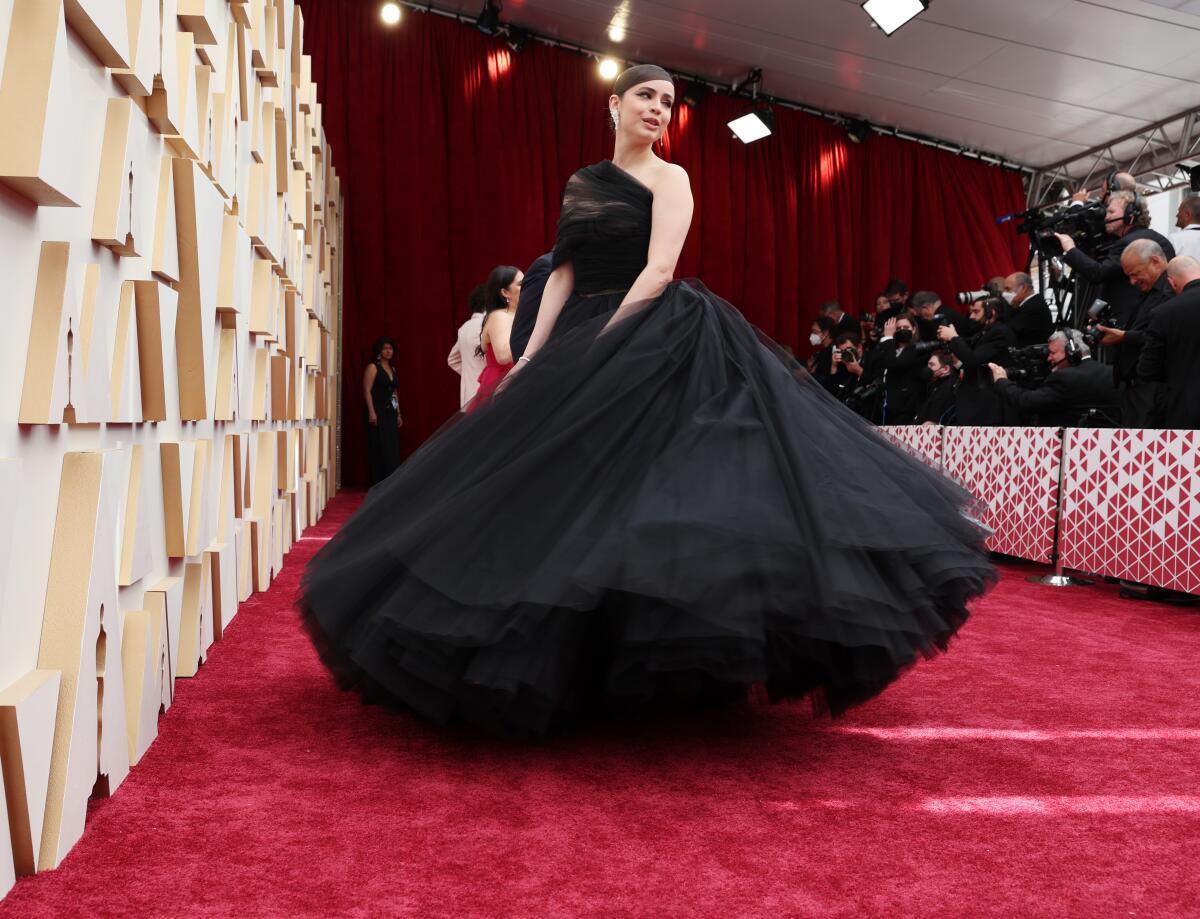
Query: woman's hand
point(373, 418)
point(889, 329)
point(399, 421)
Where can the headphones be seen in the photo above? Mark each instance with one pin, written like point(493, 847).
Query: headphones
point(1073, 347)
point(1134, 209)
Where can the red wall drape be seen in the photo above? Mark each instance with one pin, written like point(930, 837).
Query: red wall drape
point(453, 153)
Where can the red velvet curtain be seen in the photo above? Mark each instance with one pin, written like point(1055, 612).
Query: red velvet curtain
point(453, 153)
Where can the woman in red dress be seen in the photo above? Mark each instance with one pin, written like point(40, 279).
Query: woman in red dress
point(503, 292)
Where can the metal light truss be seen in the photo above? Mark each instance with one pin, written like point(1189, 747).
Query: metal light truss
point(1165, 146)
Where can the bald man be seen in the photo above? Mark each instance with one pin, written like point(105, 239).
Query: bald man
point(1172, 350)
point(1145, 264)
point(1187, 218)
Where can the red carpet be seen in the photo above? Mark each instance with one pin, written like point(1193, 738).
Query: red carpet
point(1048, 766)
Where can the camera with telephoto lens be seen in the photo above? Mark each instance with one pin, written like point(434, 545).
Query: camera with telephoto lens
point(1083, 223)
point(1099, 313)
point(967, 297)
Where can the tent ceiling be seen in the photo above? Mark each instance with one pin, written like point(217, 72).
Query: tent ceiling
point(1034, 81)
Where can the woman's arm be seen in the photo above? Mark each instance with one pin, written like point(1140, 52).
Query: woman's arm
point(368, 382)
point(670, 220)
point(500, 335)
point(558, 288)
point(454, 359)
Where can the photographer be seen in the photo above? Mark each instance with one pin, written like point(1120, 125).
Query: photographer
point(896, 294)
point(1077, 386)
point(846, 367)
point(821, 338)
point(1028, 314)
point(927, 307)
point(901, 360)
point(1172, 350)
point(1145, 265)
point(978, 402)
point(1125, 219)
point(842, 321)
point(939, 406)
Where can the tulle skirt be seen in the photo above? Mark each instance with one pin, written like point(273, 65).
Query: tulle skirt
point(670, 509)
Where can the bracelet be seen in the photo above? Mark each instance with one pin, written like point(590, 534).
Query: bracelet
point(524, 358)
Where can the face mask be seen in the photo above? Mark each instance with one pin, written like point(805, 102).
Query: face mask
point(1009, 296)
point(926, 375)
point(814, 339)
point(903, 336)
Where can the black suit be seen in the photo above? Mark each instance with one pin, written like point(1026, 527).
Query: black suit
point(846, 324)
point(1031, 322)
point(903, 390)
point(1140, 399)
point(939, 404)
point(1114, 286)
point(978, 401)
point(1172, 354)
point(929, 327)
point(1066, 395)
point(532, 287)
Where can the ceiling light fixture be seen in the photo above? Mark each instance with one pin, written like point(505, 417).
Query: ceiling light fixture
point(609, 68)
point(858, 130)
point(390, 13)
point(515, 38)
point(889, 15)
point(488, 21)
point(759, 121)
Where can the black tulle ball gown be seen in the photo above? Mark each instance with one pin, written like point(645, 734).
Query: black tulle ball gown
point(663, 511)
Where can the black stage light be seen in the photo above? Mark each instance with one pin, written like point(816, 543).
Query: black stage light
point(1194, 178)
point(489, 18)
point(858, 130)
point(694, 94)
point(515, 38)
point(890, 15)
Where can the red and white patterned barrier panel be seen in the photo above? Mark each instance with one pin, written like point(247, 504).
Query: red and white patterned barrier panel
point(1015, 472)
point(924, 441)
point(1131, 506)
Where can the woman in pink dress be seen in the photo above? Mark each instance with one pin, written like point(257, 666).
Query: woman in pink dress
point(503, 292)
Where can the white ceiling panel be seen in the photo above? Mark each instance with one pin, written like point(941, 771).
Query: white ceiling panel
point(1033, 81)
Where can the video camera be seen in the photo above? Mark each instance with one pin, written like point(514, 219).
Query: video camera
point(1028, 365)
point(1083, 223)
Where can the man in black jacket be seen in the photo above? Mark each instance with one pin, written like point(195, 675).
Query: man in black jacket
point(1126, 219)
point(532, 287)
point(1172, 349)
point(1029, 314)
point(930, 315)
point(1069, 393)
point(843, 322)
point(977, 400)
point(1145, 265)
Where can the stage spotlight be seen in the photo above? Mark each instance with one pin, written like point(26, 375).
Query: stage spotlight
point(754, 125)
point(890, 15)
point(694, 94)
point(858, 130)
point(390, 13)
point(515, 38)
point(488, 21)
point(609, 68)
point(616, 33)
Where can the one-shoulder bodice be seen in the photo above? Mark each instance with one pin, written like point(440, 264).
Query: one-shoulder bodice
point(604, 228)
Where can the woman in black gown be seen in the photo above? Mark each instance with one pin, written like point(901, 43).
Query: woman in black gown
point(693, 513)
point(383, 412)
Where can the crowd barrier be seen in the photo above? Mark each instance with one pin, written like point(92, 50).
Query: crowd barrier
point(1119, 503)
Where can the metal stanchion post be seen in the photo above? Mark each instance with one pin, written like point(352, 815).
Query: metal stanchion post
point(1059, 578)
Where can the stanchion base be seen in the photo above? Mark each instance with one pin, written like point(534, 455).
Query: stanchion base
point(1058, 580)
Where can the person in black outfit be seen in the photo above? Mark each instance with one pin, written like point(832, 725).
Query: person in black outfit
point(383, 412)
point(1069, 393)
point(1172, 349)
point(901, 365)
point(930, 315)
point(1028, 313)
point(532, 286)
point(821, 338)
point(1125, 220)
point(978, 401)
point(846, 374)
point(939, 404)
point(1146, 267)
point(896, 294)
point(842, 321)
